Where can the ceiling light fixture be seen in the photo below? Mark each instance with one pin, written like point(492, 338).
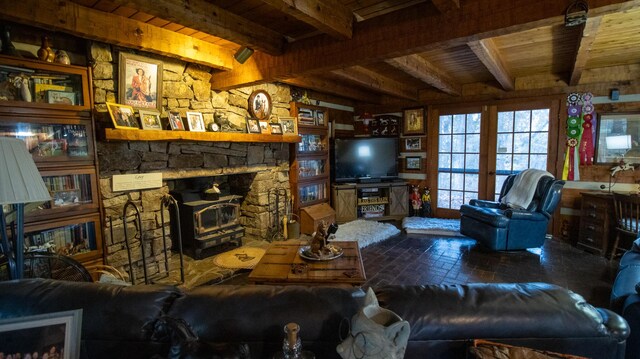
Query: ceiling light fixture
point(576, 13)
point(243, 54)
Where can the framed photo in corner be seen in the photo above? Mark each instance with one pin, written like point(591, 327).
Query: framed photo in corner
point(58, 332)
point(140, 81)
point(413, 163)
point(412, 144)
point(122, 116)
point(289, 126)
point(175, 121)
point(195, 121)
point(253, 125)
point(413, 121)
point(150, 119)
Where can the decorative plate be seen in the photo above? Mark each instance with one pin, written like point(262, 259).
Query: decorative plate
point(587, 97)
point(260, 104)
point(305, 252)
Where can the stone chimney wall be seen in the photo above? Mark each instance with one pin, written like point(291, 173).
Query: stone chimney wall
point(186, 87)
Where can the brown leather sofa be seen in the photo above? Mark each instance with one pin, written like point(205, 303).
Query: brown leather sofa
point(153, 321)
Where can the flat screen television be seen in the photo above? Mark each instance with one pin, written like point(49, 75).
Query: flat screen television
point(365, 159)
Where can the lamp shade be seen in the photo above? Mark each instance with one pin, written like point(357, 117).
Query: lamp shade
point(622, 142)
point(20, 180)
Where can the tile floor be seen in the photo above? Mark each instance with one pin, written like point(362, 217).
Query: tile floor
point(422, 259)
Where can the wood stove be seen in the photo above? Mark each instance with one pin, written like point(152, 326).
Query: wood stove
point(207, 223)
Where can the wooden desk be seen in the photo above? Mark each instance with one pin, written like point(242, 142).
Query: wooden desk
point(597, 222)
point(281, 264)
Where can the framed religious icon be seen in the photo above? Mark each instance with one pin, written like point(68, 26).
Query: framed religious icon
point(260, 104)
point(140, 82)
point(413, 122)
point(122, 116)
point(150, 119)
point(195, 121)
point(413, 163)
point(175, 121)
point(61, 331)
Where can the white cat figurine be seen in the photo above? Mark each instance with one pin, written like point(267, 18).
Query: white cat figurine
point(376, 333)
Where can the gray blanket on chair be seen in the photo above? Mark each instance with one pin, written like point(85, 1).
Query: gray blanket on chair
point(523, 188)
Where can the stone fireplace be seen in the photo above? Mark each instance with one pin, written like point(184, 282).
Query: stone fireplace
point(258, 166)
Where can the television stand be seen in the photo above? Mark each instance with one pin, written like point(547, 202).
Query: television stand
point(369, 180)
point(377, 201)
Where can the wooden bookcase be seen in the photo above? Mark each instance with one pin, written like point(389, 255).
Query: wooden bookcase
point(309, 159)
point(58, 130)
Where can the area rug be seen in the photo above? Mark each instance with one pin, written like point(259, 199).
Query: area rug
point(239, 258)
point(365, 232)
point(434, 226)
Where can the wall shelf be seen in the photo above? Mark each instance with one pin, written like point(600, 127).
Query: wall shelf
point(161, 135)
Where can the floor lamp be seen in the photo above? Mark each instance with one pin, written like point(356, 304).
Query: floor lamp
point(20, 183)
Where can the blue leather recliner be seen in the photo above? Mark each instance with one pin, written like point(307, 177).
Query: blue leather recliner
point(500, 228)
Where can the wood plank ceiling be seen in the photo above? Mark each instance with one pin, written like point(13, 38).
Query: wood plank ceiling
point(394, 52)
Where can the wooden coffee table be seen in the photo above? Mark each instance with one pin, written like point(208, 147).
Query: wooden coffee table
point(281, 264)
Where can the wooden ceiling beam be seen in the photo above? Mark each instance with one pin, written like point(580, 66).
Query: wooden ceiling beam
point(214, 20)
point(329, 16)
point(446, 5)
point(489, 55)
point(404, 32)
point(587, 36)
point(321, 84)
point(426, 72)
point(376, 82)
point(97, 25)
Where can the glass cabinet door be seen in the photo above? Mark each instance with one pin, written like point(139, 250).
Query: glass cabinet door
point(311, 168)
point(312, 143)
point(71, 238)
point(48, 142)
point(311, 193)
point(37, 84)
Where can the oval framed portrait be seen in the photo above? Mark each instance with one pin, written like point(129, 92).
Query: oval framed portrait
point(260, 104)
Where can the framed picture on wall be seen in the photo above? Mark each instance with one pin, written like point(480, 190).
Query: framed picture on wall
point(413, 121)
point(260, 104)
point(140, 82)
point(413, 163)
point(413, 144)
point(59, 330)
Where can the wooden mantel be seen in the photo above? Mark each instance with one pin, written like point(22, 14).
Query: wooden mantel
point(160, 135)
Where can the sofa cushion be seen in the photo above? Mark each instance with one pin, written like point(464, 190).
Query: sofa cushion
point(630, 257)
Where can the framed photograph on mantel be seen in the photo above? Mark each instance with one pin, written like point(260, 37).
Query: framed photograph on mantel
point(413, 121)
point(57, 334)
point(140, 82)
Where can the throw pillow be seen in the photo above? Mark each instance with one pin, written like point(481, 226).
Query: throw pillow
point(484, 349)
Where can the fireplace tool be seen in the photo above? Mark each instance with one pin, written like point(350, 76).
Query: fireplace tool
point(170, 202)
point(138, 220)
point(277, 211)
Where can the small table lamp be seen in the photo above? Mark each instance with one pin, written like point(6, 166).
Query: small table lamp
point(20, 183)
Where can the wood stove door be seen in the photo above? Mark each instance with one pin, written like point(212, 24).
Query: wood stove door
point(216, 217)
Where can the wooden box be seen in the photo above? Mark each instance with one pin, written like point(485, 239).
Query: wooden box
point(311, 216)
